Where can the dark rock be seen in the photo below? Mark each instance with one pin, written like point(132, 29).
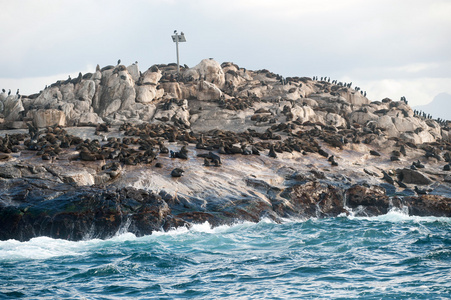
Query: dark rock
point(10, 171)
point(413, 177)
point(373, 199)
point(312, 199)
point(429, 205)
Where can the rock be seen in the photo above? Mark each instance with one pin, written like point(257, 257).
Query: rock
point(12, 107)
point(362, 117)
point(372, 200)
point(78, 178)
point(147, 93)
point(207, 70)
point(9, 171)
point(428, 205)
point(413, 177)
point(48, 117)
point(313, 199)
point(89, 118)
point(208, 91)
point(82, 213)
point(133, 70)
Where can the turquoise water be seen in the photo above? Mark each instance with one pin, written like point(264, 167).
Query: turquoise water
point(387, 257)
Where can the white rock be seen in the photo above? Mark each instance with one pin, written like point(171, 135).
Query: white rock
point(151, 77)
point(89, 118)
point(133, 71)
point(12, 107)
point(112, 107)
point(208, 70)
point(208, 91)
point(147, 93)
point(303, 113)
point(67, 92)
point(48, 117)
point(50, 96)
point(362, 117)
point(85, 90)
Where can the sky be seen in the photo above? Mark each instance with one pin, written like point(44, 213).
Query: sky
point(388, 48)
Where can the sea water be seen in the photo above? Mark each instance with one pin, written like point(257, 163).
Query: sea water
point(394, 256)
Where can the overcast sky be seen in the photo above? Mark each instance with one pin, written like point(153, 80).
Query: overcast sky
point(389, 48)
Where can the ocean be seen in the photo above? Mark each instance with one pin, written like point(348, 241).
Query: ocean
point(393, 256)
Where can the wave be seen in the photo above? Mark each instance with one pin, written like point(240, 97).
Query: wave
point(400, 215)
point(41, 248)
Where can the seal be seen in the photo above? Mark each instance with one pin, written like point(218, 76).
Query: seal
point(272, 152)
point(177, 172)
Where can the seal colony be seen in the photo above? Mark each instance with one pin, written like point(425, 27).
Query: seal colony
point(220, 143)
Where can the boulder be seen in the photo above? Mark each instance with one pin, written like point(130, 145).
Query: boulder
point(147, 93)
point(413, 177)
point(303, 113)
point(361, 117)
point(85, 90)
point(118, 92)
point(208, 70)
point(133, 70)
point(151, 76)
point(367, 201)
point(313, 199)
point(12, 107)
point(208, 91)
point(48, 117)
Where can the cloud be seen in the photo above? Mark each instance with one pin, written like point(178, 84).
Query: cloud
point(371, 41)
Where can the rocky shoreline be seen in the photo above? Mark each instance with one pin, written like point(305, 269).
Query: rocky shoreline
point(219, 143)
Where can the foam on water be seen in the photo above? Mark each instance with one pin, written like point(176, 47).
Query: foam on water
point(45, 247)
point(390, 256)
point(401, 215)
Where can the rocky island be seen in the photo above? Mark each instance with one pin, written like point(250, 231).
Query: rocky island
point(123, 150)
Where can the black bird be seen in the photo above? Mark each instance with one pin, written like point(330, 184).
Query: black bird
point(119, 62)
point(9, 92)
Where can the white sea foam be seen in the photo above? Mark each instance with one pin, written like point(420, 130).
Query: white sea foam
point(401, 215)
point(37, 248)
point(47, 248)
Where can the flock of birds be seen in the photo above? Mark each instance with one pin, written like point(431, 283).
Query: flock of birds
point(339, 83)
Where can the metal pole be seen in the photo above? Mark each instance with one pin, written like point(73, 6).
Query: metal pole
point(177, 46)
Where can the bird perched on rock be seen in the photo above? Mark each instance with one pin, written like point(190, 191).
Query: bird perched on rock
point(177, 172)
